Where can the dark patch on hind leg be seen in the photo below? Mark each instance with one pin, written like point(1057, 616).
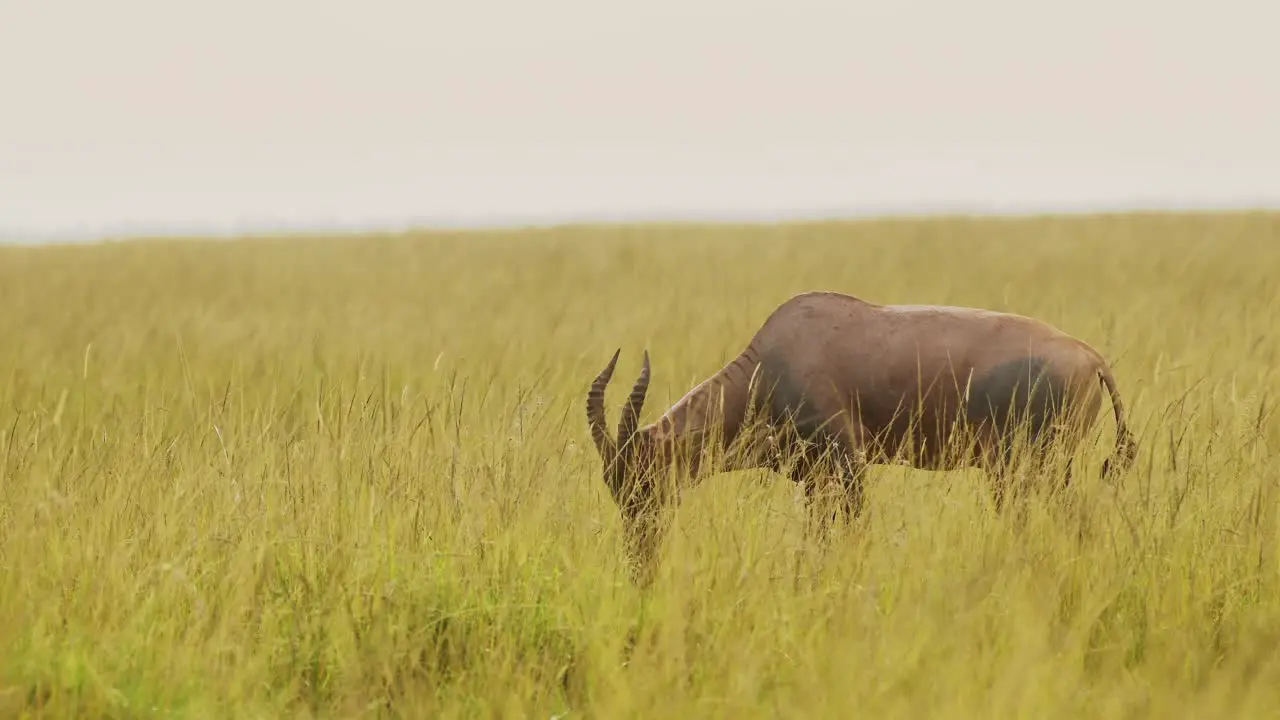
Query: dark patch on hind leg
point(1019, 392)
point(1017, 399)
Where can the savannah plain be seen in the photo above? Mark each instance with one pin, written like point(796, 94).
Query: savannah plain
point(352, 477)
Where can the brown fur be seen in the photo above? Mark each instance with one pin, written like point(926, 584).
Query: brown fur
point(827, 373)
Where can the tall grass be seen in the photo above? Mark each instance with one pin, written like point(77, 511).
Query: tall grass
point(336, 477)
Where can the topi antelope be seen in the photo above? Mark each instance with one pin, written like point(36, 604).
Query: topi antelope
point(830, 376)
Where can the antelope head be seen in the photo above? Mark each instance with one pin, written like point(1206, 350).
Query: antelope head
point(633, 460)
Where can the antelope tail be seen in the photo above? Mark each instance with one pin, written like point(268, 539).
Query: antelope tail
point(1126, 445)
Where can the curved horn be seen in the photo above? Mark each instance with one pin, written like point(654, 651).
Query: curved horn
point(631, 412)
point(595, 410)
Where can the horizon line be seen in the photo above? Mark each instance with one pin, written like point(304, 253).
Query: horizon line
point(264, 228)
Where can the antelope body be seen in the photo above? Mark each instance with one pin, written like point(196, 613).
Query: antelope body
point(827, 374)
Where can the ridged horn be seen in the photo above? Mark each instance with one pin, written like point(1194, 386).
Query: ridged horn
point(631, 412)
point(595, 410)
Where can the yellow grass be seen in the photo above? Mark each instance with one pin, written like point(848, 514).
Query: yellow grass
point(352, 477)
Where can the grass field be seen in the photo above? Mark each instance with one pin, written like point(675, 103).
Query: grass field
point(349, 477)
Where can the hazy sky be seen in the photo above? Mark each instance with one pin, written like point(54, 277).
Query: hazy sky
point(140, 115)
